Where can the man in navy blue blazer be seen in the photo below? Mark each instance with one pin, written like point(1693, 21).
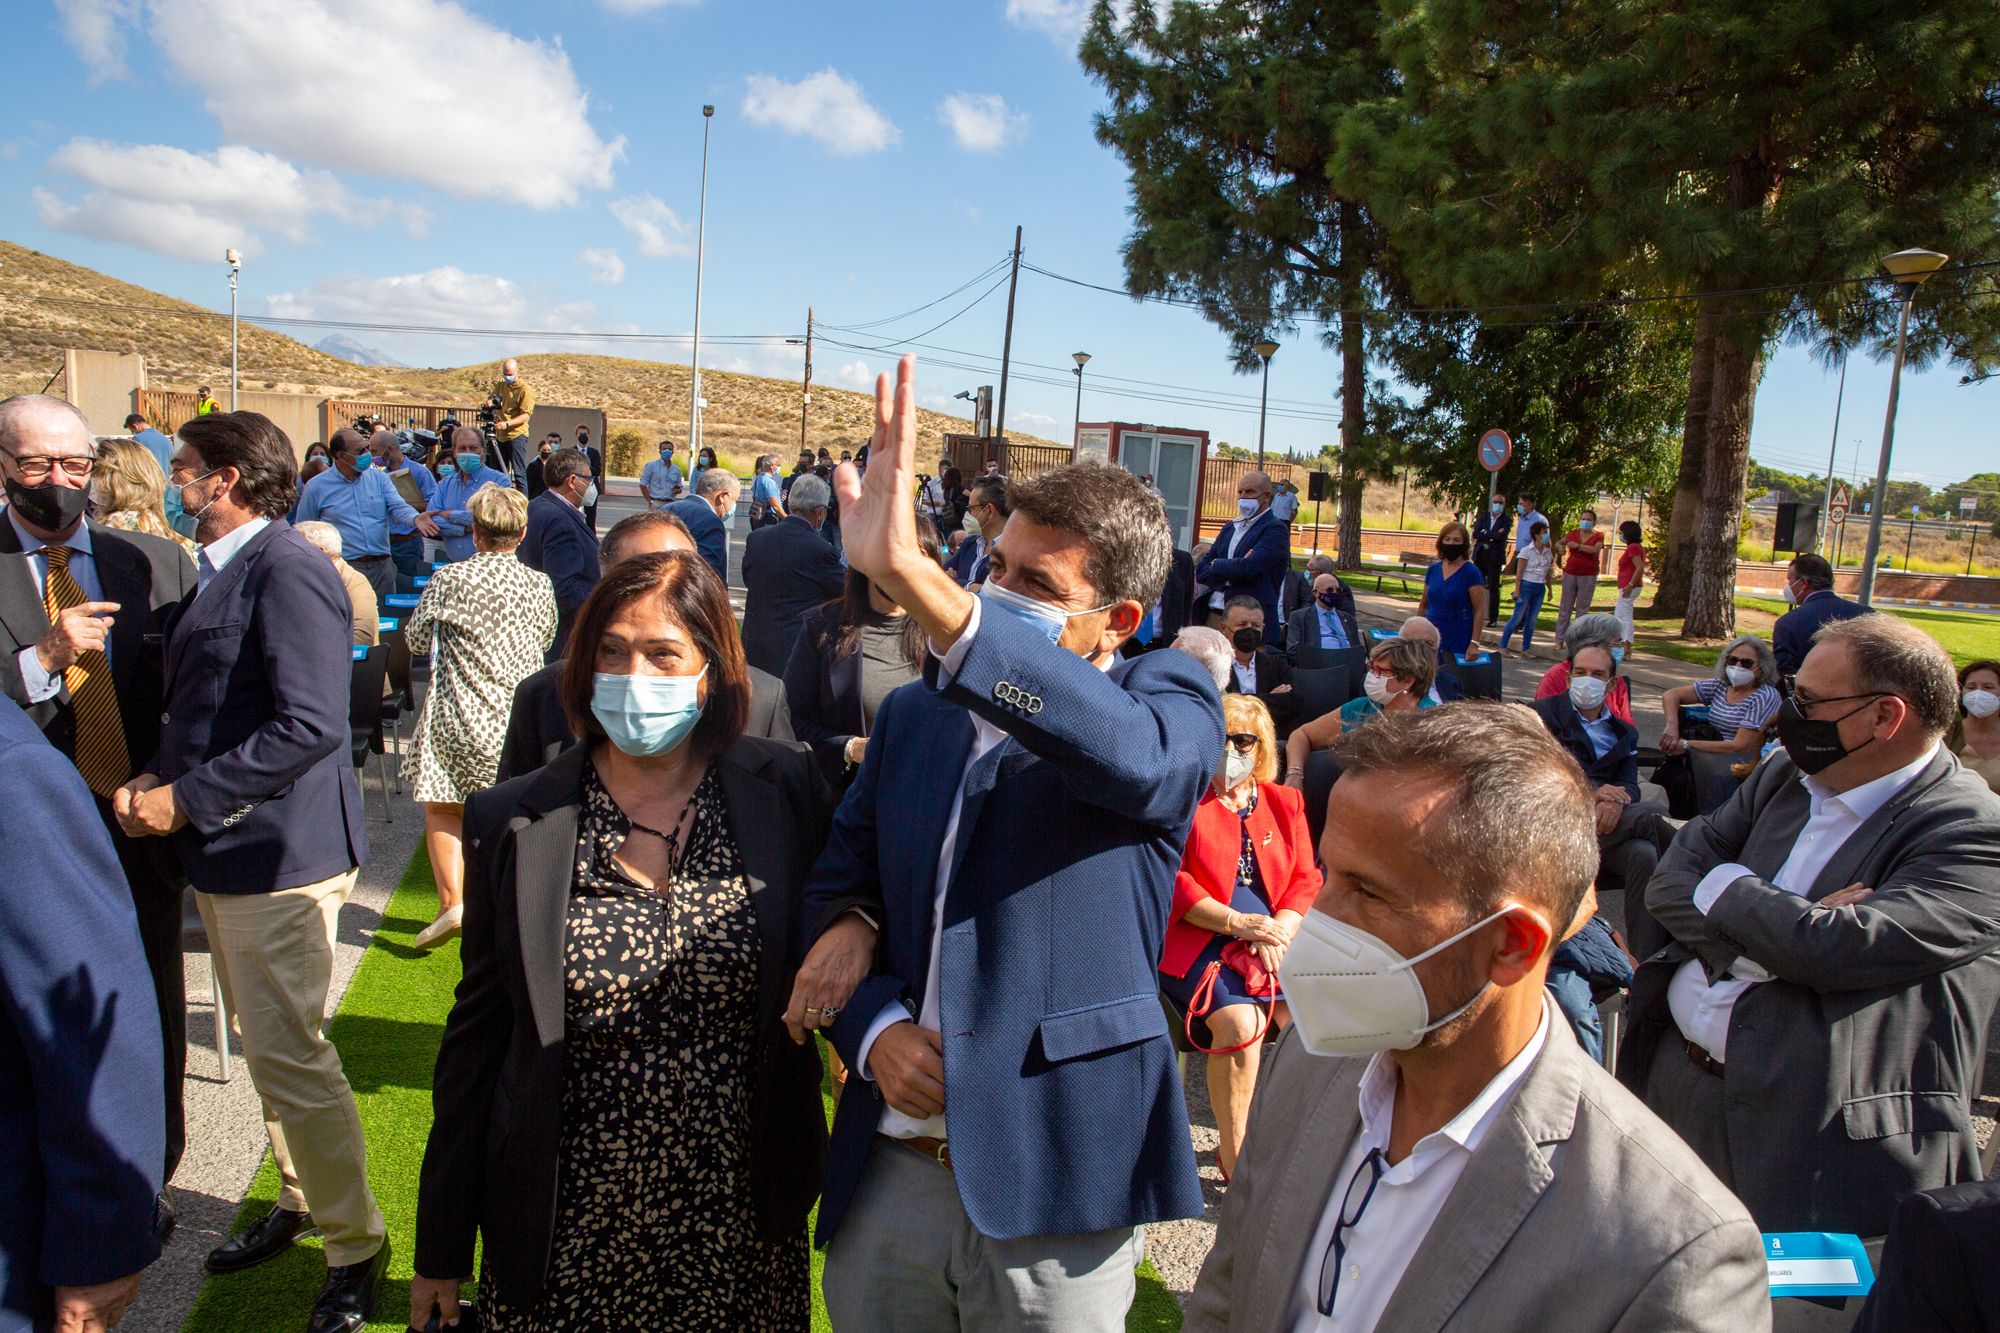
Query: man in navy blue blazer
point(1014, 1115)
point(706, 514)
point(1809, 587)
point(82, 1126)
point(254, 784)
point(560, 541)
point(1250, 557)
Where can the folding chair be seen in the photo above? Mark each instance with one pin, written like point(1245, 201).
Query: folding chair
point(1480, 676)
point(364, 718)
point(1319, 691)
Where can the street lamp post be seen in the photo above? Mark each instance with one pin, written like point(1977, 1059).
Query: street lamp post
point(700, 249)
point(1909, 268)
point(1081, 359)
point(1266, 349)
point(1826, 509)
point(235, 262)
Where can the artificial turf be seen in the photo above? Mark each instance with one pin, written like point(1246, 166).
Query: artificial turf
point(387, 1028)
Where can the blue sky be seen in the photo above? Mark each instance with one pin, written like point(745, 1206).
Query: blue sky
point(535, 166)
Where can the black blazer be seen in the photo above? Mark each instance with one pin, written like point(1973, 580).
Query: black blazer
point(490, 1166)
point(1618, 767)
point(823, 688)
point(1302, 630)
point(788, 569)
point(537, 731)
point(561, 544)
point(148, 577)
point(1937, 1269)
point(1272, 671)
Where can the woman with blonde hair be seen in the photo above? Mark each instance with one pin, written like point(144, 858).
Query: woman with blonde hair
point(1246, 879)
point(487, 622)
point(129, 491)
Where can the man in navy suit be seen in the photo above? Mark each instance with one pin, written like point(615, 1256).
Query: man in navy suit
point(1013, 832)
point(706, 514)
point(788, 569)
point(1249, 558)
point(1325, 623)
point(986, 514)
point(82, 1128)
point(1809, 587)
point(560, 541)
point(254, 785)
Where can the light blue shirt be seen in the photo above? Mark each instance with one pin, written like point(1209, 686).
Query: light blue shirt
point(448, 509)
point(662, 481)
point(1603, 735)
point(426, 486)
point(764, 488)
point(1524, 526)
point(39, 684)
point(1332, 634)
point(360, 509)
point(158, 445)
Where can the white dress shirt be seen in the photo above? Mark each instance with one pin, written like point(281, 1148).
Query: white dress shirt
point(1240, 529)
point(1246, 674)
point(984, 737)
point(39, 684)
point(222, 550)
point(1701, 1008)
point(1407, 1199)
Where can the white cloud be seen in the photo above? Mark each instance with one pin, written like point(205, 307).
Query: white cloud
point(1040, 422)
point(440, 97)
point(855, 375)
point(826, 106)
point(1057, 18)
point(658, 229)
point(981, 122)
point(607, 266)
point(451, 298)
point(96, 29)
point(196, 205)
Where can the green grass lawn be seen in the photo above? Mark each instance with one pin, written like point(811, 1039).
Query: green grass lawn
point(387, 1029)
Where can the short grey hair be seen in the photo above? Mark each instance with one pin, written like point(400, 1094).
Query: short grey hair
point(715, 480)
point(1319, 564)
point(320, 534)
point(1122, 523)
point(1420, 627)
point(1243, 601)
point(1415, 658)
point(1208, 647)
point(809, 494)
point(1522, 822)
point(15, 411)
point(1767, 662)
point(1893, 656)
point(1599, 627)
point(563, 464)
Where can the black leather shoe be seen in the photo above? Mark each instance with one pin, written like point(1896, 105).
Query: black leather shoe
point(165, 1219)
point(347, 1301)
point(266, 1238)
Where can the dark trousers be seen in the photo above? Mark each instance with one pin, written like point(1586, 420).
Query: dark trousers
point(380, 571)
point(1489, 569)
point(156, 884)
point(514, 453)
point(407, 554)
point(1691, 1101)
point(1627, 857)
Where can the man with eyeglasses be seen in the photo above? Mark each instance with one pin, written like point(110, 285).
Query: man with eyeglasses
point(82, 613)
point(1478, 1170)
point(1809, 591)
point(359, 500)
point(1816, 1029)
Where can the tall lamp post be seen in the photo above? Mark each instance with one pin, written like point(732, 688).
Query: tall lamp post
point(235, 262)
point(1909, 268)
point(1266, 349)
point(1082, 359)
point(700, 249)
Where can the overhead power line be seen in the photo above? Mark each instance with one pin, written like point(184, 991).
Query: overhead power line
point(970, 282)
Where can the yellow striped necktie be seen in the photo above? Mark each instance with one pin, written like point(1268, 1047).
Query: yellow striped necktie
point(101, 755)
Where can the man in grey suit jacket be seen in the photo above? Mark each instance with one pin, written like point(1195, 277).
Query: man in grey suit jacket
point(1815, 1029)
point(1479, 1172)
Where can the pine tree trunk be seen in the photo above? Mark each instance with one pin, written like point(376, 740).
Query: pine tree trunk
point(1684, 515)
point(1353, 397)
point(1711, 609)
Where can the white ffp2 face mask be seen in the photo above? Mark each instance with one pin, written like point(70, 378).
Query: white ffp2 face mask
point(1980, 703)
point(1351, 994)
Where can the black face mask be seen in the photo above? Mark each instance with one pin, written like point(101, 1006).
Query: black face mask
point(1452, 550)
point(1247, 639)
point(1814, 744)
point(51, 508)
point(1329, 600)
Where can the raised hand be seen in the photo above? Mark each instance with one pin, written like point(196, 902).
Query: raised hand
point(878, 520)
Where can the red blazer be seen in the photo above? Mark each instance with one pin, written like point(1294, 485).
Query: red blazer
point(1281, 843)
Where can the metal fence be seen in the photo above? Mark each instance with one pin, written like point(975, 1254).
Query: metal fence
point(166, 409)
point(424, 416)
point(1219, 480)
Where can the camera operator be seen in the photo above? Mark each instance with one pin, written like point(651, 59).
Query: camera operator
point(510, 423)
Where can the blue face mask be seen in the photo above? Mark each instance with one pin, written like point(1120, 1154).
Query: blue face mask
point(508, 378)
point(1617, 654)
point(1046, 619)
point(1585, 524)
point(468, 464)
point(362, 462)
point(646, 715)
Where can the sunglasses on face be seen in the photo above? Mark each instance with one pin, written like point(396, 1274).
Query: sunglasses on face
point(1243, 742)
point(1749, 662)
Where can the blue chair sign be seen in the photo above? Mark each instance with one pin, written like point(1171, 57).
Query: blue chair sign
point(402, 601)
point(360, 652)
point(390, 624)
point(1378, 635)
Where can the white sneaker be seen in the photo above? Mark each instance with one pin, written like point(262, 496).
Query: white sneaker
point(445, 927)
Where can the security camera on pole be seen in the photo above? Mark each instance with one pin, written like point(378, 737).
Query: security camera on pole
point(235, 262)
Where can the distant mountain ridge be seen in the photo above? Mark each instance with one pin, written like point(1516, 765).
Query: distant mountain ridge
point(344, 347)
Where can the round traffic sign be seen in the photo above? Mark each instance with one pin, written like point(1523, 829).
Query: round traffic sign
point(1495, 448)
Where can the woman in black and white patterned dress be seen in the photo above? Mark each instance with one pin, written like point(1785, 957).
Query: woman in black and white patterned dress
point(493, 618)
point(621, 1116)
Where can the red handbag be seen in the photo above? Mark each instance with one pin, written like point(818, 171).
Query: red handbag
point(1261, 981)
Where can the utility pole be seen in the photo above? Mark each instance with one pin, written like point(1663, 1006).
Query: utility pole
point(805, 403)
point(235, 262)
point(1826, 507)
point(700, 251)
point(1007, 346)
